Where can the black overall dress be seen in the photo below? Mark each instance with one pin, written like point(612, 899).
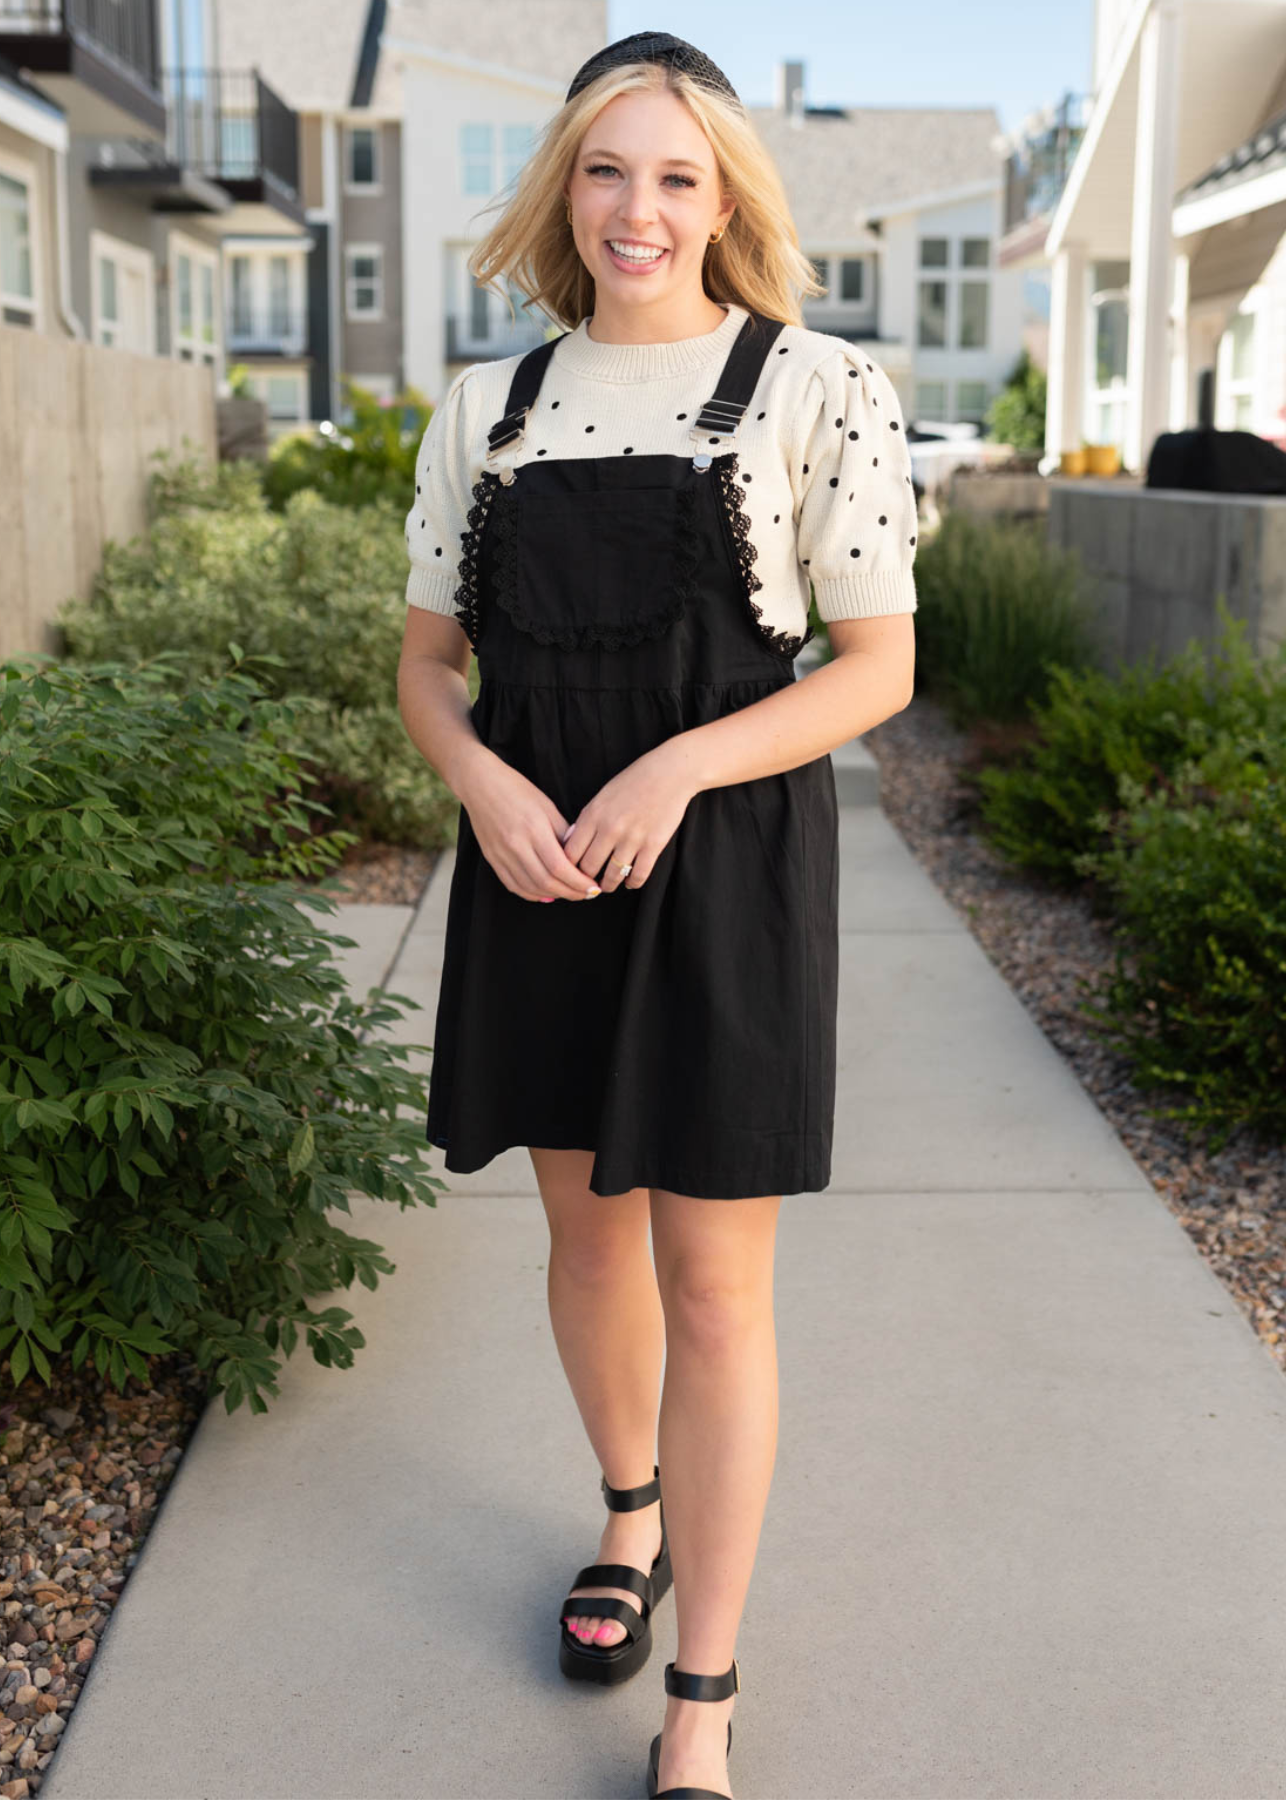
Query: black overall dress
point(684, 1030)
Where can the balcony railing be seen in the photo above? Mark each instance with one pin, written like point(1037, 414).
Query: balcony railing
point(124, 30)
point(1037, 169)
point(465, 343)
point(267, 331)
point(228, 124)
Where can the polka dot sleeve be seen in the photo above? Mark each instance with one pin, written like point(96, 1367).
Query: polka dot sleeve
point(443, 495)
point(857, 519)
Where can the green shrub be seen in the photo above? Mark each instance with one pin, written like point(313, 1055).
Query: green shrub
point(1017, 414)
point(319, 589)
point(186, 1086)
point(371, 458)
point(998, 607)
point(1197, 874)
point(1096, 730)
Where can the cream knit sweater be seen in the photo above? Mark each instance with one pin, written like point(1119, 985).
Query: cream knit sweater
point(821, 451)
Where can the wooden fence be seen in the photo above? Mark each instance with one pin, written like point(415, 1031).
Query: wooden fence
point(78, 424)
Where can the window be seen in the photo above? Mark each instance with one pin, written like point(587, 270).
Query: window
point(193, 286)
point(1239, 384)
point(278, 296)
point(17, 294)
point(931, 400)
point(932, 322)
point(516, 147)
point(973, 314)
point(207, 304)
point(242, 323)
point(821, 274)
point(479, 314)
point(121, 289)
point(975, 253)
point(365, 285)
point(363, 161)
point(476, 158)
point(284, 394)
point(1110, 328)
point(971, 400)
point(108, 314)
point(933, 253)
point(851, 271)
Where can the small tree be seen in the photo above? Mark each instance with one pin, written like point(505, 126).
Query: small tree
point(1017, 415)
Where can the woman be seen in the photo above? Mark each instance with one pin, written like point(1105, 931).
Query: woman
point(636, 592)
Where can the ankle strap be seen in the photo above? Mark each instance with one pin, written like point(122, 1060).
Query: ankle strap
point(631, 1499)
point(702, 1687)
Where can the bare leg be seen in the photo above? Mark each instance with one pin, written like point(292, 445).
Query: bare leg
point(718, 1443)
point(610, 1332)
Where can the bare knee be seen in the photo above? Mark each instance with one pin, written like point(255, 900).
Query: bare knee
point(594, 1259)
point(709, 1309)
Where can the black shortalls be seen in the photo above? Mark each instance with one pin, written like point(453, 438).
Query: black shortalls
point(684, 1030)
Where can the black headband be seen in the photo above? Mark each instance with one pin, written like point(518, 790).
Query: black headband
point(653, 46)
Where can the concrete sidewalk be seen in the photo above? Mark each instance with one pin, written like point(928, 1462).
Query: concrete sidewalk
point(1027, 1530)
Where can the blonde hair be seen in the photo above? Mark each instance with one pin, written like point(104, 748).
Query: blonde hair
point(757, 263)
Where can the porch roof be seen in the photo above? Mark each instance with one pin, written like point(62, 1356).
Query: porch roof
point(1230, 61)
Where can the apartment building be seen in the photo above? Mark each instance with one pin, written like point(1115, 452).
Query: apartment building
point(130, 157)
point(297, 188)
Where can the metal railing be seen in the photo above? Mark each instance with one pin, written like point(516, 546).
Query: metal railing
point(502, 338)
point(1036, 170)
point(230, 125)
point(125, 30)
point(272, 330)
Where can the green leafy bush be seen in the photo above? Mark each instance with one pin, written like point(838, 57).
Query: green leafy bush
point(1017, 414)
point(998, 608)
point(319, 589)
point(372, 457)
point(1095, 731)
point(186, 1086)
point(1196, 869)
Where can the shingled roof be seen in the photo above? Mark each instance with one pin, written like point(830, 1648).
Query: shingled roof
point(840, 160)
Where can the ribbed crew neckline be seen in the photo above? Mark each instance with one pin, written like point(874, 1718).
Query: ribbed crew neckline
point(581, 354)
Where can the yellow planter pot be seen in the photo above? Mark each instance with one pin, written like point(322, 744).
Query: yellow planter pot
point(1071, 462)
point(1102, 459)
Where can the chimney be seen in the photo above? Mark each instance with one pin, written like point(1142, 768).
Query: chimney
point(790, 91)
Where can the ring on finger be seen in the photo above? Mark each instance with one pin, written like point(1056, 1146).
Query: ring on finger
point(623, 867)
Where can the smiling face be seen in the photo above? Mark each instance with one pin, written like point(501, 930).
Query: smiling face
point(646, 179)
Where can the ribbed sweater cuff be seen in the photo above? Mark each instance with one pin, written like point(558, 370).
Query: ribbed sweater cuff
point(866, 596)
point(428, 589)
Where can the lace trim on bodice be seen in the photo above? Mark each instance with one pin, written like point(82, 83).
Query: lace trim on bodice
point(616, 634)
point(785, 643)
point(467, 609)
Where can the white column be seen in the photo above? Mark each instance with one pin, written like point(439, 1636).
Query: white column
point(1065, 390)
point(333, 204)
point(1151, 245)
point(1180, 407)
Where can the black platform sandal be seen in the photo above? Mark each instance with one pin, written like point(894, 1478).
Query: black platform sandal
point(691, 1687)
point(610, 1663)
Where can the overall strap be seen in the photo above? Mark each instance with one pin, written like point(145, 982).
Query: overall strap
point(721, 414)
point(523, 389)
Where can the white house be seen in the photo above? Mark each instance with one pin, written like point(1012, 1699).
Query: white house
point(1168, 295)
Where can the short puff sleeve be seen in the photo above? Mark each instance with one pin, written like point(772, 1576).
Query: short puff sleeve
point(857, 518)
point(443, 496)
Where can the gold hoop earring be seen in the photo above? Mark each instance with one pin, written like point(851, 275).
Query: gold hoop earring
point(569, 211)
point(718, 234)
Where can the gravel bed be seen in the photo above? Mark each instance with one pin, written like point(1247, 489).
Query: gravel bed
point(389, 874)
point(1050, 946)
point(82, 1472)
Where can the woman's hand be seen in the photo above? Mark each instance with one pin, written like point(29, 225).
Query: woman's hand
point(632, 818)
point(519, 829)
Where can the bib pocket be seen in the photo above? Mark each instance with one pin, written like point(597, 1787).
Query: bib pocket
point(604, 568)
